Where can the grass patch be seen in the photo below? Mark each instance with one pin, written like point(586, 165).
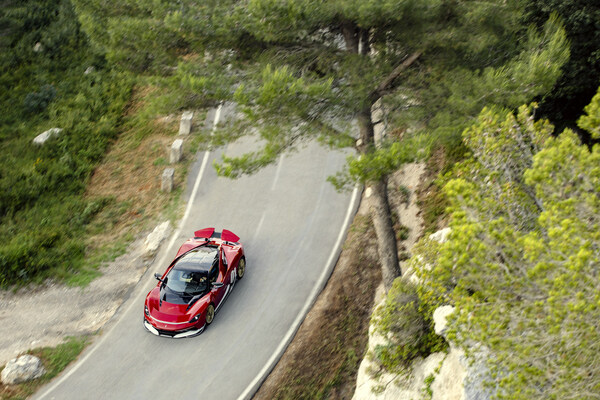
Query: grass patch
point(55, 360)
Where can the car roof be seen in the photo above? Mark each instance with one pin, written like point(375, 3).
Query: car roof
point(200, 259)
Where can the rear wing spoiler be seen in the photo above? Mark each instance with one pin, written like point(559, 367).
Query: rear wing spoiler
point(209, 233)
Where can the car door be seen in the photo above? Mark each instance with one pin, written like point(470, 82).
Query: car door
point(217, 293)
point(230, 273)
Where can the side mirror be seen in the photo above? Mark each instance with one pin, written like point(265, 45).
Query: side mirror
point(217, 285)
point(157, 276)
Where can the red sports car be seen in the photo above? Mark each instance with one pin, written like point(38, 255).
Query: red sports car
point(195, 285)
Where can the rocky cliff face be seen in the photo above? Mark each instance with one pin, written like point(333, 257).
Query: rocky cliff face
point(440, 376)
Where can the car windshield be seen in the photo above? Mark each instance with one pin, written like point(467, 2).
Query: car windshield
point(188, 283)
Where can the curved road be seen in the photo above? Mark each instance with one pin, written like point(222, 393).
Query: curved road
point(291, 222)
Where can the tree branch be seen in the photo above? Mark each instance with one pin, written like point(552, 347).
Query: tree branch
point(387, 82)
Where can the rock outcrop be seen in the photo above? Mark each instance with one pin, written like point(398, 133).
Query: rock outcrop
point(22, 369)
point(440, 376)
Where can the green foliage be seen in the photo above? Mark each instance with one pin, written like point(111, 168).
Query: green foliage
point(591, 121)
point(521, 262)
point(581, 74)
point(295, 69)
point(381, 162)
point(409, 331)
point(42, 211)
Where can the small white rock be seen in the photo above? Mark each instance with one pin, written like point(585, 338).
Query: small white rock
point(38, 47)
point(44, 136)
point(368, 192)
point(440, 318)
point(441, 235)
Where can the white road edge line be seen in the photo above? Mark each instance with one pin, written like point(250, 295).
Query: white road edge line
point(277, 172)
point(260, 223)
point(162, 260)
point(253, 387)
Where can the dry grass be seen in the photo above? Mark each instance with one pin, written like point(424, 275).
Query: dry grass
point(128, 180)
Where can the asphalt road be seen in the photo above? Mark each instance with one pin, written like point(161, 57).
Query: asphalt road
point(291, 222)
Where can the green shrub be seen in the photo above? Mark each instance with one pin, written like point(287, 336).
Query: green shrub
point(39, 101)
point(409, 332)
point(43, 213)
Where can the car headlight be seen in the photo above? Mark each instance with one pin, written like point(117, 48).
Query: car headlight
point(146, 311)
point(196, 318)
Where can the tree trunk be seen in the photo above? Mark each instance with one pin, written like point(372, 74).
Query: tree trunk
point(381, 214)
point(386, 236)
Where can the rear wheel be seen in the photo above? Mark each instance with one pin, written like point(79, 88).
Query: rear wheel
point(241, 269)
point(210, 314)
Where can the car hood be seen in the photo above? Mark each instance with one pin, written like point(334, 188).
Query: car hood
point(165, 311)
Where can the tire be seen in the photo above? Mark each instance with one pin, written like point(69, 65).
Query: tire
point(241, 268)
point(210, 314)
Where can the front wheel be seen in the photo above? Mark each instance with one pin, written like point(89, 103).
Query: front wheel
point(241, 269)
point(210, 314)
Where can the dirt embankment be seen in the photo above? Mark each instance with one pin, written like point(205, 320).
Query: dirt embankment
point(323, 359)
point(44, 316)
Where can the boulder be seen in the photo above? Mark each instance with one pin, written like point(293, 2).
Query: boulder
point(45, 136)
point(448, 382)
point(461, 379)
point(22, 369)
point(89, 70)
point(185, 126)
point(38, 48)
point(156, 237)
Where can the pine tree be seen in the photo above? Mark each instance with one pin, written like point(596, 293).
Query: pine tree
point(521, 263)
point(306, 69)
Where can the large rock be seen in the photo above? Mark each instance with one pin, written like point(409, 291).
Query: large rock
point(385, 386)
point(156, 237)
point(22, 369)
point(461, 379)
point(45, 136)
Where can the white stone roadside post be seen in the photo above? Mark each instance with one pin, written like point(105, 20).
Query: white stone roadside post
point(168, 178)
point(185, 126)
point(176, 151)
